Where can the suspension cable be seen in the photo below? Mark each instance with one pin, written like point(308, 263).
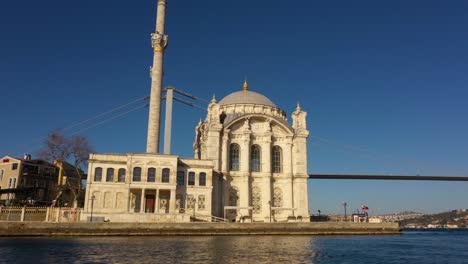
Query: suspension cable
point(109, 119)
point(39, 140)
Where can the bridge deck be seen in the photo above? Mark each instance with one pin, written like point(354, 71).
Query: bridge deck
point(386, 177)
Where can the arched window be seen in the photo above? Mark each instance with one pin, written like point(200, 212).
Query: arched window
point(234, 157)
point(180, 178)
point(165, 175)
point(191, 178)
point(151, 175)
point(110, 175)
point(136, 174)
point(98, 174)
point(255, 158)
point(202, 179)
point(277, 159)
point(121, 175)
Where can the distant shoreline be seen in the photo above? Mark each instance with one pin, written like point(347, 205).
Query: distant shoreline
point(434, 229)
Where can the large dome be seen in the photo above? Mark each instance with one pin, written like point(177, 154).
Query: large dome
point(246, 97)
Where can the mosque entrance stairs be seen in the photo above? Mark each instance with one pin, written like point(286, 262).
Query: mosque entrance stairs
point(196, 217)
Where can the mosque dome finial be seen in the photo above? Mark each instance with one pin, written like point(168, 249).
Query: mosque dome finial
point(246, 86)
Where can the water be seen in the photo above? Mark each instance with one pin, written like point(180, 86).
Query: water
point(411, 247)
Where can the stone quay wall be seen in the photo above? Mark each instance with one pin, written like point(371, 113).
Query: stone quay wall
point(194, 229)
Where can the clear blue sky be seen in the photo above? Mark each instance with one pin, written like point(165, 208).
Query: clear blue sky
point(384, 83)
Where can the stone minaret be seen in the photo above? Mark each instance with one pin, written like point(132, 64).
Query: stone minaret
point(159, 43)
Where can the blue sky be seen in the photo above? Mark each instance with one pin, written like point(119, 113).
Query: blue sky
point(384, 84)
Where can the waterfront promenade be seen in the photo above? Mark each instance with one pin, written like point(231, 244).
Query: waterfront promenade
point(193, 229)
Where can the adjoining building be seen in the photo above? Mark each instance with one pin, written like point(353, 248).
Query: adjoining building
point(147, 187)
point(26, 181)
point(70, 191)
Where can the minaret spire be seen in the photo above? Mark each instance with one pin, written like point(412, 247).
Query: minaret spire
point(159, 43)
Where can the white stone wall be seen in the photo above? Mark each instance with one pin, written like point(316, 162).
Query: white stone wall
point(265, 126)
point(124, 201)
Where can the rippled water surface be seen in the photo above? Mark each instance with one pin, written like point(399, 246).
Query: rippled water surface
point(411, 247)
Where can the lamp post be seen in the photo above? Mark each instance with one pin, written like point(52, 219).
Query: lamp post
point(344, 205)
point(92, 205)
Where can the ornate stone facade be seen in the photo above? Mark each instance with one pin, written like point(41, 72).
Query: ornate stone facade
point(249, 161)
point(260, 160)
point(147, 188)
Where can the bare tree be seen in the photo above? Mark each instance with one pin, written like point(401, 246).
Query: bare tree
point(56, 147)
point(73, 150)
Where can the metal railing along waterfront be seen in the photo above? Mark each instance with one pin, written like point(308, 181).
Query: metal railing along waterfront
point(209, 218)
point(196, 217)
point(40, 214)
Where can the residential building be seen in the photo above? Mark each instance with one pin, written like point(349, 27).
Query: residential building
point(26, 181)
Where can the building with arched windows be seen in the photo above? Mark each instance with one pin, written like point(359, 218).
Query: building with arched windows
point(260, 160)
point(248, 161)
point(146, 187)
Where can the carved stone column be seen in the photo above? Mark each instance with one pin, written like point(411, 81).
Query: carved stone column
point(129, 199)
point(212, 145)
point(172, 202)
point(245, 172)
point(156, 206)
point(267, 183)
point(301, 201)
point(142, 202)
point(287, 159)
point(245, 154)
point(266, 153)
point(267, 198)
point(288, 172)
point(225, 151)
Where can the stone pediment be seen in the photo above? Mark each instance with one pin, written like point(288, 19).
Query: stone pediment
point(260, 125)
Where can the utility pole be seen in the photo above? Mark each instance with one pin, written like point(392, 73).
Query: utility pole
point(168, 120)
point(345, 204)
point(170, 98)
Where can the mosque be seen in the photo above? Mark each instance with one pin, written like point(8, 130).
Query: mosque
point(249, 163)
